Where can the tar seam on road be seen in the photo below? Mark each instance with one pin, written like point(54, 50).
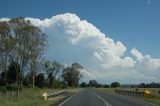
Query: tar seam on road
point(106, 103)
point(67, 99)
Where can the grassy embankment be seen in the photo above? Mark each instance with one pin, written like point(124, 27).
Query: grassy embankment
point(154, 97)
point(33, 97)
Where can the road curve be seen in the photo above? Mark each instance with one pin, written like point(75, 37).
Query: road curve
point(90, 97)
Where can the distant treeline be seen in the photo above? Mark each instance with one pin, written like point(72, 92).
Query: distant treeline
point(94, 83)
point(150, 85)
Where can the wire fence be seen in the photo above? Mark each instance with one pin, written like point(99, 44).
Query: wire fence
point(12, 95)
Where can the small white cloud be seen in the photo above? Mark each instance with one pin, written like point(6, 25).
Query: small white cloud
point(137, 54)
point(4, 19)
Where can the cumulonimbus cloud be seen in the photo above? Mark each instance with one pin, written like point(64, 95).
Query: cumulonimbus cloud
point(74, 40)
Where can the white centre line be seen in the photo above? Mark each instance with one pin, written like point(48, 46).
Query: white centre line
point(67, 99)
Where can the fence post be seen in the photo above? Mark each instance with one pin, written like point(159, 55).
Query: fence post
point(6, 95)
point(17, 94)
point(11, 95)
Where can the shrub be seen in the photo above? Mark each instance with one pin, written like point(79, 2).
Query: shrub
point(13, 88)
point(2, 89)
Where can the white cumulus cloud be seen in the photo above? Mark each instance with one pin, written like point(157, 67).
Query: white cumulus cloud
point(137, 54)
point(74, 40)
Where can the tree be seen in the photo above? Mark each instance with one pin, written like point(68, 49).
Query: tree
point(26, 80)
point(38, 45)
point(115, 84)
point(142, 85)
point(72, 74)
point(106, 86)
point(150, 85)
point(31, 43)
point(83, 84)
point(13, 72)
point(21, 30)
point(39, 80)
point(23, 43)
point(52, 69)
point(92, 83)
point(7, 44)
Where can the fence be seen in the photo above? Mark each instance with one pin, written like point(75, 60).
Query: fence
point(138, 94)
point(12, 95)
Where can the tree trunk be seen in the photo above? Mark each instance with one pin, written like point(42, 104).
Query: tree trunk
point(33, 81)
point(21, 85)
point(51, 81)
point(33, 74)
point(5, 76)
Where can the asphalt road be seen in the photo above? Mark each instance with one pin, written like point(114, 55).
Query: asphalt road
point(89, 97)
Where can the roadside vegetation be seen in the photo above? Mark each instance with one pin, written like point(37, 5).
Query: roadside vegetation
point(33, 97)
point(24, 69)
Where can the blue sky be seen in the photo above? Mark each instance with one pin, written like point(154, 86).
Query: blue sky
point(118, 42)
point(134, 22)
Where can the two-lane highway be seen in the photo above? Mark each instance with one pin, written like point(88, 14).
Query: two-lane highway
point(83, 98)
point(90, 97)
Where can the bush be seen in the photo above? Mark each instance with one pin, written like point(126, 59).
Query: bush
point(83, 85)
point(115, 84)
point(2, 89)
point(13, 88)
point(39, 80)
point(106, 86)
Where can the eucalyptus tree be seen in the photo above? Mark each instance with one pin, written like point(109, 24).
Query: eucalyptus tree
point(24, 43)
point(38, 44)
point(21, 32)
point(72, 74)
point(7, 44)
point(52, 69)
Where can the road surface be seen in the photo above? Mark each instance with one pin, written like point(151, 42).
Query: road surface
point(90, 97)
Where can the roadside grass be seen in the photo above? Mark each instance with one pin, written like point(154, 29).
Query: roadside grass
point(108, 90)
point(153, 98)
point(33, 97)
point(73, 90)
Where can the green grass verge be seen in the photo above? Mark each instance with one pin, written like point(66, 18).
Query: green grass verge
point(33, 97)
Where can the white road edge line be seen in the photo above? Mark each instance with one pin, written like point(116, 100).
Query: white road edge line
point(68, 99)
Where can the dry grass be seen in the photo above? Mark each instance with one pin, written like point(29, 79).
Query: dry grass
point(33, 97)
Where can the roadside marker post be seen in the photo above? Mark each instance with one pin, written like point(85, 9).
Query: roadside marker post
point(44, 96)
point(147, 94)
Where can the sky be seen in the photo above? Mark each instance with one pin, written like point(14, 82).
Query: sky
point(115, 40)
